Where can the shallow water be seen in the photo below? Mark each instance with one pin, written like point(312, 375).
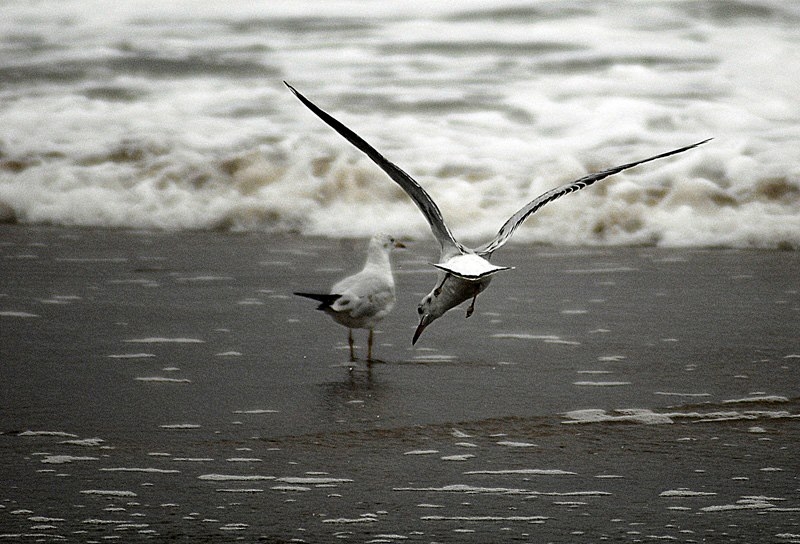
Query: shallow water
point(167, 385)
point(175, 116)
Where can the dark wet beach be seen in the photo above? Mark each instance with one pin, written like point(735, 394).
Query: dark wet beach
point(163, 386)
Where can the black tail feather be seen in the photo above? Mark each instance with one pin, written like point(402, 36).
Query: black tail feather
point(324, 300)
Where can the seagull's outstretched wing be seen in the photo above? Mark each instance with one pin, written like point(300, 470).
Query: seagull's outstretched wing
point(420, 197)
point(520, 216)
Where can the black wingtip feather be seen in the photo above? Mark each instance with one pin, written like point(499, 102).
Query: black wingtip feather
point(325, 300)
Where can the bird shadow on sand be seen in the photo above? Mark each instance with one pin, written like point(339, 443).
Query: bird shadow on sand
point(363, 367)
point(355, 393)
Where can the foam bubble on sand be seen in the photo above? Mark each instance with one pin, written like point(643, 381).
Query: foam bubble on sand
point(86, 442)
point(233, 527)
point(745, 504)
point(312, 480)
point(163, 340)
point(526, 336)
point(250, 302)
point(295, 488)
point(179, 426)
point(148, 470)
point(570, 504)
point(234, 477)
point(421, 452)
point(596, 415)
point(762, 498)
point(512, 444)
point(97, 521)
point(486, 518)
point(91, 260)
point(563, 342)
point(546, 338)
point(757, 399)
point(13, 313)
point(109, 492)
point(676, 394)
point(193, 459)
point(204, 278)
point(685, 493)
point(467, 489)
point(347, 521)
point(256, 411)
point(48, 433)
point(45, 519)
point(743, 416)
point(59, 299)
point(527, 472)
point(600, 384)
point(161, 379)
point(461, 457)
point(132, 356)
point(432, 358)
point(63, 459)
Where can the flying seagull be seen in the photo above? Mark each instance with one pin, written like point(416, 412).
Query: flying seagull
point(463, 272)
point(360, 301)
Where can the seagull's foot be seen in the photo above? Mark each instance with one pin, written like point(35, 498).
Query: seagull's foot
point(471, 306)
point(438, 290)
point(352, 345)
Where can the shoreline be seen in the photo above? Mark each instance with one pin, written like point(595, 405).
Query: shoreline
point(594, 394)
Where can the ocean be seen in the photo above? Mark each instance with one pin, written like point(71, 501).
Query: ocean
point(174, 116)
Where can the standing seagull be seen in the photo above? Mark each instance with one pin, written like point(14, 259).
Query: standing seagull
point(463, 272)
point(360, 301)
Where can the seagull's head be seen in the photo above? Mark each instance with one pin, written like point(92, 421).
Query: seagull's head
point(450, 291)
point(429, 310)
point(380, 246)
point(386, 242)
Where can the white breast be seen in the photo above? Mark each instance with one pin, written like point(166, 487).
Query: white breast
point(469, 267)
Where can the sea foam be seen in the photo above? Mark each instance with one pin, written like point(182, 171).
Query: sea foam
point(116, 123)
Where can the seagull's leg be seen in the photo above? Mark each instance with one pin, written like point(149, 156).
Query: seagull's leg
point(369, 347)
point(438, 290)
point(350, 341)
point(472, 306)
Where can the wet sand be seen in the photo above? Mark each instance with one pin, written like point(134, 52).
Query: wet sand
point(168, 385)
